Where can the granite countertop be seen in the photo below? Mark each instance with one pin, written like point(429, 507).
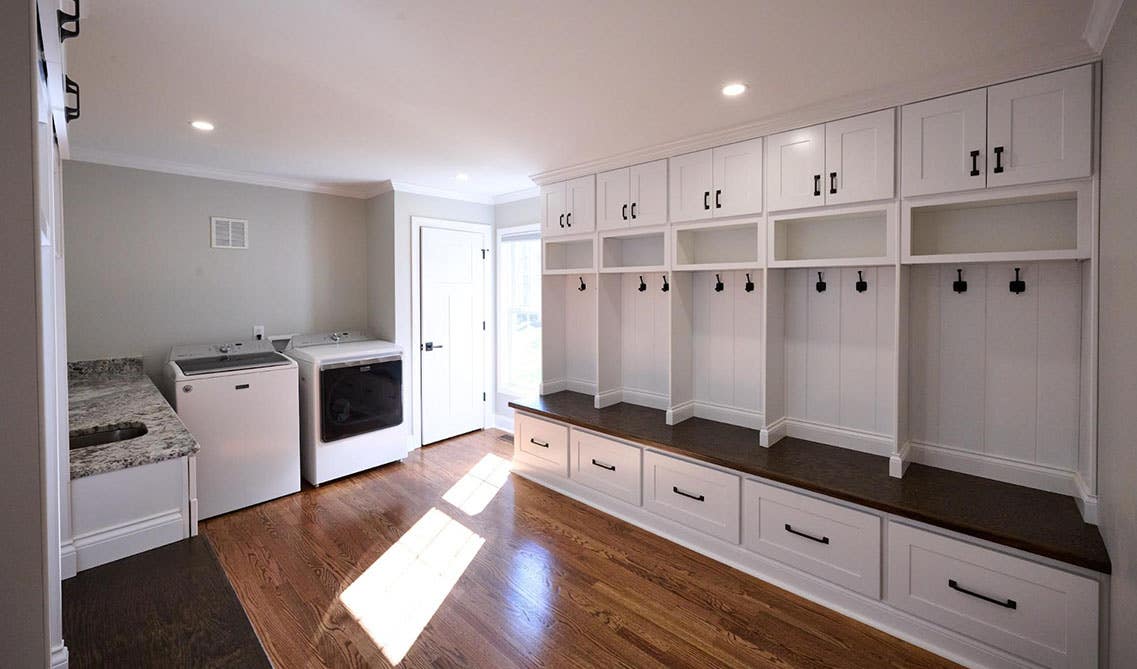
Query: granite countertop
point(104, 394)
point(1036, 521)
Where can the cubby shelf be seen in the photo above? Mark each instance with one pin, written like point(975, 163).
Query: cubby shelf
point(834, 237)
point(629, 251)
point(565, 255)
point(735, 245)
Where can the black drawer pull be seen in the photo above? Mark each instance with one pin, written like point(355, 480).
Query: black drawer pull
point(832, 183)
point(1005, 603)
point(633, 210)
point(568, 219)
point(601, 465)
point(562, 220)
point(791, 530)
point(975, 163)
point(542, 444)
point(998, 160)
point(243, 386)
point(718, 199)
point(706, 199)
point(697, 498)
point(816, 185)
point(624, 212)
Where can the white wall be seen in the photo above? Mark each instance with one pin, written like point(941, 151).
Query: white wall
point(23, 591)
point(1117, 382)
point(142, 276)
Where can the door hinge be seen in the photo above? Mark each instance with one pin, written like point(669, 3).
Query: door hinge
point(484, 253)
point(483, 326)
point(483, 397)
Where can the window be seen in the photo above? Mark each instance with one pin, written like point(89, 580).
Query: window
point(519, 311)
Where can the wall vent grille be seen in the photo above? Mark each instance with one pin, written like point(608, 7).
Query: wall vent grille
point(228, 233)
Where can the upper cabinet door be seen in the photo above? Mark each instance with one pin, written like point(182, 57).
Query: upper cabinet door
point(648, 193)
point(737, 178)
point(553, 209)
point(1040, 129)
point(860, 158)
point(612, 200)
point(580, 204)
point(691, 179)
point(795, 166)
point(943, 144)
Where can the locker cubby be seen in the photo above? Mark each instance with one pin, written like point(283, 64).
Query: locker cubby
point(717, 330)
point(634, 331)
point(734, 246)
point(847, 236)
point(1049, 222)
point(565, 256)
point(634, 251)
point(568, 333)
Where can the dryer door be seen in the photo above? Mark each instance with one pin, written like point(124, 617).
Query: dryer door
point(360, 396)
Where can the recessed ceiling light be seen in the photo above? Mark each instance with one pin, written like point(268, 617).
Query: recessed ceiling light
point(733, 90)
point(462, 176)
point(204, 126)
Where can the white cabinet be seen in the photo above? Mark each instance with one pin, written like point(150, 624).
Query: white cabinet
point(717, 183)
point(943, 144)
point(1040, 129)
point(632, 196)
point(606, 465)
point(1026, 131)
point(540, 445)
point(699, 497)
point(844, 161)
point(569, 206)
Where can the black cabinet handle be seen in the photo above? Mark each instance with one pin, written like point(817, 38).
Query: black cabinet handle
point(1005, 603)
point(832, 183)
point(568, 219)
point(66, 33)
point(241, 386)
point(791, 530)
point(975, 163)
point(601, 465)
point(998, 160)
point(697, 498)
point(542, 444)
point(633, 210)
point(71, 88)
point(624, 212)
point(718, 200)
point(816, 185)
point(706, 200)
point(562, 220)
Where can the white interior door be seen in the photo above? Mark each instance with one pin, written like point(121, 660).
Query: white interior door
point(452, 347)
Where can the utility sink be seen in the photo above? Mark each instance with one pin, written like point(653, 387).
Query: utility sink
point(109, 435)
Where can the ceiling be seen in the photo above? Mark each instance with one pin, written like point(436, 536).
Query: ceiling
point(352, 93)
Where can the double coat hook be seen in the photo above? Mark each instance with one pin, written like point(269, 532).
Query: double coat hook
point(643, 286)
point(666, 286)
point(749, 283)
point(1018, 286)
point(820, 285)
point(959, 285)
point(718, 284)
point(581, 287)
point(862, 285)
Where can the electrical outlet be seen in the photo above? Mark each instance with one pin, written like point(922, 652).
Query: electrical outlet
point(258, 332)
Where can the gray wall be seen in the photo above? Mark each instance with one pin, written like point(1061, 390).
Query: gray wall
point(23, 595)
point(141, 276)
point(511, 215)
point(1117, 383)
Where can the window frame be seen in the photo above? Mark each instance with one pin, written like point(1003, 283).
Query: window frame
point(531, 230)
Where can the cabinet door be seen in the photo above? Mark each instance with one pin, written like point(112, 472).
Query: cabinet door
point(738, 179)
point(1039, 129)
point(860, 158)
point(795, 166)
point(580, 204)
point(691, 180)
point(649, 193)
point(943, 144)
point(612, 200)
point(553, 209)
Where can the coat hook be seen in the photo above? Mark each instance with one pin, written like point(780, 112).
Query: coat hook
point(959, 285)
point(1018, 285)
point(862, 285)
point(718, 284)
point(666, 286)
point(582, 286)
point(820, 283)
point(643, 286)
point(749, 283)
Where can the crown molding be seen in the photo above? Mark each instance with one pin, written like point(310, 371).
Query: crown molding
point(517, 195)
point(1016, 66)
point(86, 155)
point(1103, 14)
point(404, 187)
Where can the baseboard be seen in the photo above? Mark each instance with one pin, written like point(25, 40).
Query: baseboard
point(608, 398)
point(59, 656)
point(856, 440)
point(753, 420)
point(574, 385)
point(554, 386)
point(504, 423)
point(898, 462)
point(119, 541)
point(992, 467)
point(645, 398)
point(771, 434)
point(67, 560)
point(1087, 501)
point(680, 412)
point(873, 612)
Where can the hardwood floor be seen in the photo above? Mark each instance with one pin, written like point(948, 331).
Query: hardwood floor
point(555, 583)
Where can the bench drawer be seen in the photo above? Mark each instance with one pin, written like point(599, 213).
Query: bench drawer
point(836, 543)
point(1045, 615)
point(541, 444)
point(699, 497)
point(606, 465)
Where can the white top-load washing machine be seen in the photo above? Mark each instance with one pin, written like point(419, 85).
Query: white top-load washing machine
point(351, 403)
point(239, 400)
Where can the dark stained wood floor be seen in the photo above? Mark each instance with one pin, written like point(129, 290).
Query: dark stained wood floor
point(556, 583)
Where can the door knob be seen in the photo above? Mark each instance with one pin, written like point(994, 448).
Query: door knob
point(430, 346)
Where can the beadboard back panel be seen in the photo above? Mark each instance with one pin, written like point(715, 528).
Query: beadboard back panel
point(727, 340)
point(840, 348)
point(635, 328)
point(996, 372)
point(568, 332)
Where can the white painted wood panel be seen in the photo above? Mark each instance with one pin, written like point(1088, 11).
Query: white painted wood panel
point(644, 338)
point(568, 333)
point(937, 138)
point(727, 341)
point(580, 204)
point(1059, 364)
point(1012, 364)
point(823, 339)
point(737, 179)
point(607, 465)
point(691, 180)
point(859, 358)
point(795, 166)
point(648, 194)
point(553, 199)
point(613, 199)
point(609, 330)
point(860, 158)
point(699, 497)
point(542, 444)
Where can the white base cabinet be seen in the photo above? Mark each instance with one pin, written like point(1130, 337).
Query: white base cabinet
point(612, 467)
point(700, 497)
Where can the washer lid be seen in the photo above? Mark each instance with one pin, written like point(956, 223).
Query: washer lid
point(353, 350)
point(230, 363)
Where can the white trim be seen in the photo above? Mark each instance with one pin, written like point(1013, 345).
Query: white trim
point(129, 538)
point(989, 466)
point(59, 657)
point(1099, 23)
point(834, 435)
point(898, 462)
point(1086, 500)
point(1015, 66)
point(772, 433)
point(404, 187)
point(575, 385)
point(68, 560)
point(504, 422)
point(721, 413)
point(517, 195)
point(527, 230)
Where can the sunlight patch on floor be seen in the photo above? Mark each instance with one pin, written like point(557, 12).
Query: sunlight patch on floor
point(395, 598)
point(473, 492)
